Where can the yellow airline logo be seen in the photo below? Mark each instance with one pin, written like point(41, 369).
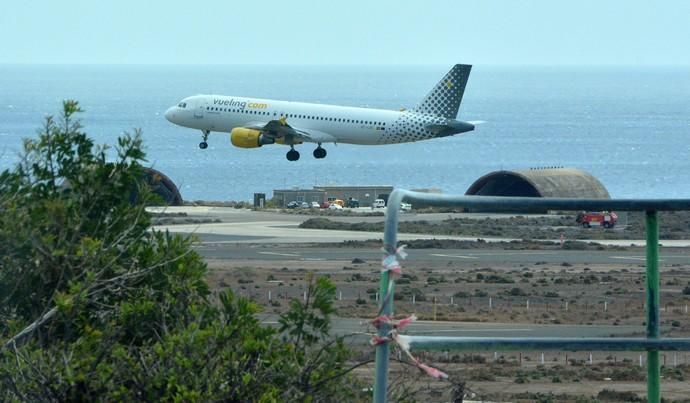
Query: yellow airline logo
point(257, 105)
point(240, 104)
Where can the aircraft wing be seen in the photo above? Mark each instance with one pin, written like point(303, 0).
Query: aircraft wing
point(280, 129)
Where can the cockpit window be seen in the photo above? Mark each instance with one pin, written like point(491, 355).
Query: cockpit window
point(182, 105)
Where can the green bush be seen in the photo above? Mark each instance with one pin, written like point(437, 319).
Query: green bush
point(95, 306)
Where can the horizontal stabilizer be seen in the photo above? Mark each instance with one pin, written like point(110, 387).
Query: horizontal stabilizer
point(450, 128)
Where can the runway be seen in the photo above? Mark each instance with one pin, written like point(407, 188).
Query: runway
point(347, 326)
point(247, 226)
point(213, 250)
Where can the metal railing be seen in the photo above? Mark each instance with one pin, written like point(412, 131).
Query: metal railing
point(653, 343)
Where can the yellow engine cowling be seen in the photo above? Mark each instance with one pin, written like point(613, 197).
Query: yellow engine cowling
point(245, 138)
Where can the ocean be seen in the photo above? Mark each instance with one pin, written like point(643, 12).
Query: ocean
point(627, 126)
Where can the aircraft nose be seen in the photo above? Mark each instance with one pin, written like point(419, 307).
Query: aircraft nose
point(170, 114)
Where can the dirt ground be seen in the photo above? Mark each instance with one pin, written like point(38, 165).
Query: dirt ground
point(609, 294)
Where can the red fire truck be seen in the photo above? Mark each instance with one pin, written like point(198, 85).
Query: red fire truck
point(606, 219)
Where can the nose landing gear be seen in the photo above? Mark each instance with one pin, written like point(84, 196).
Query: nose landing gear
point(204, 145)
point(319, 152)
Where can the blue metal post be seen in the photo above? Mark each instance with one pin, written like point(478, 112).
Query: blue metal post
point(386, 289)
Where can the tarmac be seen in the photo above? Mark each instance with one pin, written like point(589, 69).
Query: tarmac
point(248, 226)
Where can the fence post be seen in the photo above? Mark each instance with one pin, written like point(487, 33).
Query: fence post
point(434, 308)
point(653, 370)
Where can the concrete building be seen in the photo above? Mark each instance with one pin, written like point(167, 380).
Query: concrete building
point(365, 194)
point(284, 196)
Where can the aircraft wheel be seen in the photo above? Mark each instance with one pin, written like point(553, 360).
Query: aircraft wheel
point(292, 155)
point(203, 145)
point(320, 153)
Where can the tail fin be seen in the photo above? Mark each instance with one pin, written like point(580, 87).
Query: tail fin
point(444, 100)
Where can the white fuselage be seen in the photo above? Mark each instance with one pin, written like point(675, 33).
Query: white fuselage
point(337, 124)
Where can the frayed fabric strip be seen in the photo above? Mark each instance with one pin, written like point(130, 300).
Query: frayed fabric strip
point(431, 371)
point(390, 263)
point(396, 324)
point(400, 251)
point(378, 340)
point(404, 343)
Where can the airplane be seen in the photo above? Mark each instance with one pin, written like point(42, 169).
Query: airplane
point(254, 122)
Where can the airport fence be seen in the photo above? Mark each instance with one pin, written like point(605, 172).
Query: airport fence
point(448, 306)
point(387, 328)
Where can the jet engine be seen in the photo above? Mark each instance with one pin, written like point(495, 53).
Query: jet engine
point(248, 138)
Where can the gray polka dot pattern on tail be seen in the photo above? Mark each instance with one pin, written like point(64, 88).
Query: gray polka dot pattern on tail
point(444, 100)
point(439, 107)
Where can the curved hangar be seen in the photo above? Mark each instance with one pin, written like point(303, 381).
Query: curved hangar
point(163, 186)
point(540, 182)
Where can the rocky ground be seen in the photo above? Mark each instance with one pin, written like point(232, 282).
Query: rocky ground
point(539, 293)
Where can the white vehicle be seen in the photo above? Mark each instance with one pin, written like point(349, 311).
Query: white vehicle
point(335, 206)
point(379, 203)
point(315, 205)
point(405, 207)
point(254, 122)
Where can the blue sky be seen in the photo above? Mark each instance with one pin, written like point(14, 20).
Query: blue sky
point(537, 32)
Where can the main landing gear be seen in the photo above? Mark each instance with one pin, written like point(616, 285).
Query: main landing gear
point(204, 145)
point(319, 152)
point(292, 155)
